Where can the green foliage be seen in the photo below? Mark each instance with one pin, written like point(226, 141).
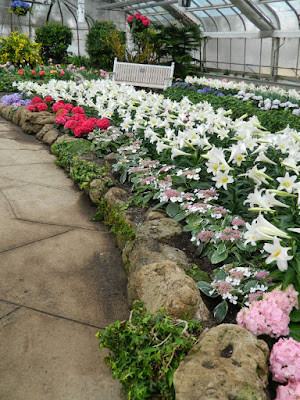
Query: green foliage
point(146, 350)
point(81, 171)
point(113, 217)
point(79, 61)
point(19, 50)
point(6, 83)
point(55, 40)
point(84, 172)
point(99, 44)
point(178, 44)
point(66, 151)
point(196, 273)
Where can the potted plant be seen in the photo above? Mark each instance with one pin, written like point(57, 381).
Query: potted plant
point(18, 7)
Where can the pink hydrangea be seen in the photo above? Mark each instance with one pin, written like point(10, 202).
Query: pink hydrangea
point(255, 296)
point(269, 316)
point(289, 392)
point(286, 300)
point(68, 106)
point(71, 124)
point(147, 181)
point(36, 100)
point(57, 106)
point(88, 125)
point(223, 287)
point(78, 110)
point(41, 107)
point(103, 123)
point(262, 274)
point(285, 361)
point(78, 132)
point(60, 120)
point(205, 236)
point(48, 99)
point(238, 222)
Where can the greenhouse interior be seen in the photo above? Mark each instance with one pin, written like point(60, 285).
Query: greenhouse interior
point(149, 200)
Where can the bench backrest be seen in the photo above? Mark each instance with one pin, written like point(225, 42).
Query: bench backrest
point(144, 75)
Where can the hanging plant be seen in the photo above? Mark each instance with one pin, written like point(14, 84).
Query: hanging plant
point(19, 8)
point(138, 23)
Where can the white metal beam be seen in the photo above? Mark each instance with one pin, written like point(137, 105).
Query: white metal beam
point(253, 35)
point(254, 14)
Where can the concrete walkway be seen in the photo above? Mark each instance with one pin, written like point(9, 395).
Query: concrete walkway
point(61, 280)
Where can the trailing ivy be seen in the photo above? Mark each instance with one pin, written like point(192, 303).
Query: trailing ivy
point(146, 350)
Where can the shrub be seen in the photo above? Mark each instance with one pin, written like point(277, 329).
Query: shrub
point(178, 43)
point(146, 350)
point(55, 40)
point(19, 50)
point(99, 44)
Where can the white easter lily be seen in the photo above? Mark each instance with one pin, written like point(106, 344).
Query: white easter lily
point(278, 254)
point(258, 175)
point(222, 179)
point(263, 158)
point(287, 182)
point(267, 228)
point(296, 230)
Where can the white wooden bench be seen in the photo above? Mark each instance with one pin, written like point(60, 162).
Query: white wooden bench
point(143, 75)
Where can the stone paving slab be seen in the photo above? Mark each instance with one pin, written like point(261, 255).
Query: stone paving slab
point(15, 233)
point(47, 358)
point(43, 174)
point(6, 308)
point(77, 274)
point(21, 157)
point(6, 183)
point(12, 144)
point(51, 206)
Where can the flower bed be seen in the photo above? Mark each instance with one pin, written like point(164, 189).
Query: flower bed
point(204, 168)
point(262, 101)
point(273, 119)
point(291, 94)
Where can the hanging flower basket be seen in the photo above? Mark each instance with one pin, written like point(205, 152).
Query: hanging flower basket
point(138, 23)
point(19, 8)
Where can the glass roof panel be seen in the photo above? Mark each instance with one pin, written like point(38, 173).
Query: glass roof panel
point(228, 11)
point(295, 4)
point(213, 13)
point(201, 3)
point(216, 2)
point(280, 6)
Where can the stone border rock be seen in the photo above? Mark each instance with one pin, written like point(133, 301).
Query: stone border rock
point(155, 278)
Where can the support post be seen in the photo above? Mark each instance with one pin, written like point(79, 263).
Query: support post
point(274, 58)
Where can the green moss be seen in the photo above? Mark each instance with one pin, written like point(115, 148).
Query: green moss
point(196, 273)
point(247, 392)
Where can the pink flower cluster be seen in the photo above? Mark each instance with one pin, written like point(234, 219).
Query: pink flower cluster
point(289, 392)
point(205, 236)
point(231, 235)
point(270, 316)
point(285, 367)
point(37, 104)
point(74, 119)
point(138, 17)
point(285, 361)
